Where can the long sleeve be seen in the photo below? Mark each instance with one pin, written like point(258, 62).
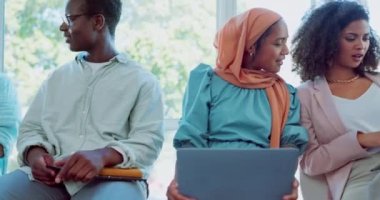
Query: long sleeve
point(324, 158)
point(145, 138)
point(328, 147)
point(31, 130)
point(9, 119)
point(195, 110)
point(294, 135)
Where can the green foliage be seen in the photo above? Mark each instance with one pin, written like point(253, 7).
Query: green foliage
point(32, 43)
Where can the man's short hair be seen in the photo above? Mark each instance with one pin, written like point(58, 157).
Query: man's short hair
point(110, 9)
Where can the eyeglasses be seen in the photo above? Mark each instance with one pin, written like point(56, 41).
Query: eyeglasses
point(69, 19)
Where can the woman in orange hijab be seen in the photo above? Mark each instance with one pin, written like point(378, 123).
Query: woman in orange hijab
point(251, 49)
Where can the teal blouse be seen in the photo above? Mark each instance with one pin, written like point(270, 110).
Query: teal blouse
point(9, 119)
point(218, 114)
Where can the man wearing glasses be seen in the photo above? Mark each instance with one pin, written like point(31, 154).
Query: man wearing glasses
point(99, 110)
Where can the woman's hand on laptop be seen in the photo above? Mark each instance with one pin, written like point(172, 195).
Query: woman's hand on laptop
point(173, 193)
point(294, 194)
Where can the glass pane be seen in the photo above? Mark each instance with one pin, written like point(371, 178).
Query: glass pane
point(33, 43)
point(374, 14)
point(292, 16)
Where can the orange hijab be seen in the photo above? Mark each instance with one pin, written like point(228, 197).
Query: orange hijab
point(237, 36)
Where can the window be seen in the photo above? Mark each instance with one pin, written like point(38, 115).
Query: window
point(372, 6)
point(156, 33)
point(169, 37)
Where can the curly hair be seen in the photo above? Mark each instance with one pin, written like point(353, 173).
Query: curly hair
point(110, 9)
point(317, 40)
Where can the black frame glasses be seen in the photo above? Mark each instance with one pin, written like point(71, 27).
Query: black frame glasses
point(69, 19)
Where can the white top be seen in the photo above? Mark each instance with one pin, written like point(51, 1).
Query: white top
point(95, 66)
point(361, 114)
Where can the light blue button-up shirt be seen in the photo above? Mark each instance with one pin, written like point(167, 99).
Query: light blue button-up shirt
point(118, 106)
point(9, 119)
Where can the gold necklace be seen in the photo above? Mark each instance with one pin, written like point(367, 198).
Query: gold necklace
point(344, 81)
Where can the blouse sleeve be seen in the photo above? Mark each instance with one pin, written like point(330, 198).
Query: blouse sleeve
point(294, 135)
point(325, 155)
point(9, 114)
point(193, 124)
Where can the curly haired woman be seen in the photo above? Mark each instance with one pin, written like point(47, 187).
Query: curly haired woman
point(336, 53)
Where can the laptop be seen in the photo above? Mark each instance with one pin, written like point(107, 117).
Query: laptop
point(241, 174)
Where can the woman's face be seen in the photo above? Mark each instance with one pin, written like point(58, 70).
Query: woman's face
point(271, 54)
point(353, 44)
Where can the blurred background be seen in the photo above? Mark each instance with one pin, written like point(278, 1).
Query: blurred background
point(168, 37)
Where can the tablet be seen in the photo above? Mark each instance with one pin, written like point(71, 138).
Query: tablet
point(242, 174)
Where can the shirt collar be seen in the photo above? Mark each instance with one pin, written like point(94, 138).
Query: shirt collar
point(120, 58)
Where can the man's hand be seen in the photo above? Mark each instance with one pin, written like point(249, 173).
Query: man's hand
point(1, 151)
point(38, 160)
point(85, 165)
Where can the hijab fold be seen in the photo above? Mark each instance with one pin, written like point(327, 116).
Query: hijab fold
point(238, 35)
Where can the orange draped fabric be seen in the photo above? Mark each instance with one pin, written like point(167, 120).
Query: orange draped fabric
point(236, 37)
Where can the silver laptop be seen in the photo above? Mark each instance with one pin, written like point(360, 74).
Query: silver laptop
point(236, 174)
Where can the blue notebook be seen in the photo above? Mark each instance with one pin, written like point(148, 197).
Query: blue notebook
point(241, 174)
